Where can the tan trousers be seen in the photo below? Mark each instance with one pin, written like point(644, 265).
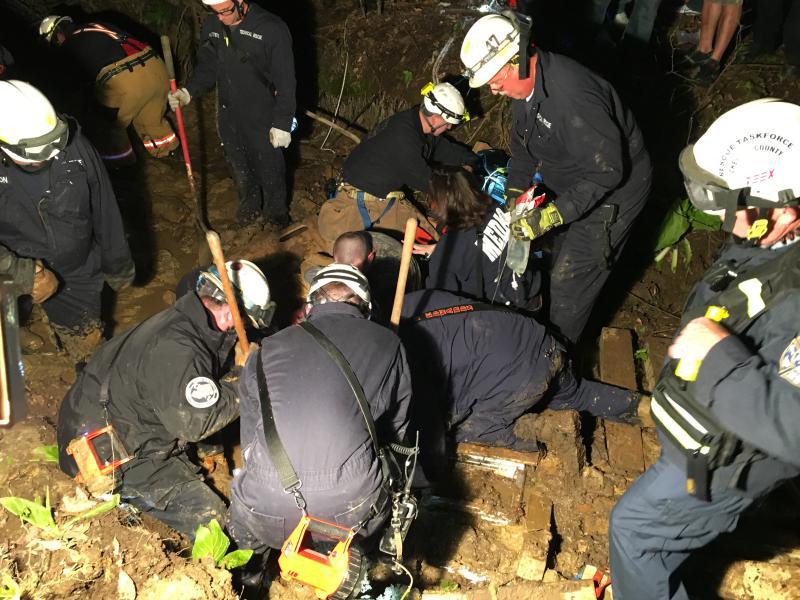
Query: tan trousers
point(341, 215)
point(139, 97)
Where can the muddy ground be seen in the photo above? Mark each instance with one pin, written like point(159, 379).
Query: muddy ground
point(490, 526)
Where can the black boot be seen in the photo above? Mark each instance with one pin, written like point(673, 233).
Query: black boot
point(252, 580)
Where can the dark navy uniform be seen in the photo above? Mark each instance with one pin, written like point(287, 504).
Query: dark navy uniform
point(67, 216)
point(253, 67)
point(399, 156)
point(168, 384)
point(750, 383)
point(576, 133)
point(320, 426)
point(482, 367)
point(459, 265)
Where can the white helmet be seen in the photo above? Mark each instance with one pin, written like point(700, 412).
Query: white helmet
point(251, 285)
point(748, 157)
point(49, 24)
point(346, 274)
point(214, 2)
point(490, 43)
point(30, 130)
point(445, 100)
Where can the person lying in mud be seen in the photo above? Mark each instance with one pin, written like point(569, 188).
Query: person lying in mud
point(394, 160)
point(166, 382)
point(477, 367)
point(470, 257)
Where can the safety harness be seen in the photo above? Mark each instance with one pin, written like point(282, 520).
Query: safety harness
point(692, 427)
point(136, 52)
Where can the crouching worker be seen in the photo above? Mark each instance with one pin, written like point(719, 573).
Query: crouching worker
point(478, 367)
point(301, 388)
point(169, 381)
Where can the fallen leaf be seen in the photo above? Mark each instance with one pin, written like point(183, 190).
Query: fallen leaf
point(126, 589)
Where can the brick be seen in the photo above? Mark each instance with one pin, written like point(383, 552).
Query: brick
point(531, 567)
point(625, 449)
point(538, 511)
point(616, 358)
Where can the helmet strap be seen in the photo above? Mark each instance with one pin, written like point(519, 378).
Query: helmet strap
point(433, 129)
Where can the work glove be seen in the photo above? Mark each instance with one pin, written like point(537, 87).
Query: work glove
point(121, 280)
point(535, 222)
point(511, 195)
point(279, 138)
point(179, 97)
point(45, 283)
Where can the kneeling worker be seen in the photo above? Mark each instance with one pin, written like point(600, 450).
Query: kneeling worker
point(168, 381)
point(318, 419)
point(396, 160)
point(481, 366)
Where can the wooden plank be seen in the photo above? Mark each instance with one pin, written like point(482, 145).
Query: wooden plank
point(525, 458)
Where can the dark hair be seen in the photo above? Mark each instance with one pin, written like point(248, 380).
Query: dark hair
point(456, 198)
point(351, 245)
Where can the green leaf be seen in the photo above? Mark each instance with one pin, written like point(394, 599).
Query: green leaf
point(672, 229)
point(674, 263)
point(235, 559)
point(31, 512)
point(47, 453)
point(407, 77)
point(9, 589)
point(640, 354)
point(687, 251)
point(702, 221)
point(210, 541)
point(104, 507)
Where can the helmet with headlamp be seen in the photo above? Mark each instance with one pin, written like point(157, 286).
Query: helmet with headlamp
point(250, 286)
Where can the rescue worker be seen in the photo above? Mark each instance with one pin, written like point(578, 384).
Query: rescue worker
point(384, 170)
point(470, 257)
point(164, 383)
point(61, 233)
point(247, 52)
point(571, 131)
point(727, 404)
point(478, 367)
point(129, 81)
point(318, 419)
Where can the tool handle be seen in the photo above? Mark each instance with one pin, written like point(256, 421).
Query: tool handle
point(219, 260)
point(173, 87)
point(402, 276)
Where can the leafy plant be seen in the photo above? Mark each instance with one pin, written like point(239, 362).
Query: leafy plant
point(37, 514)
point(682, 217)
point(640, 354)
point(47, 453)
point(41, 515)
point(212, 541)
point(9, 589)
point(407, 77)
point(448, 586)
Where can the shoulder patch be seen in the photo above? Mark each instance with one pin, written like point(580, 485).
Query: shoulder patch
point(789, 366)
point(202, 392)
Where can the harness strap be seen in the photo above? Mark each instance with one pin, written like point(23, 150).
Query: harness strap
point(129, 45)
point(479, 261)
point(277, 452)
point(126, 66)
point(362, 209)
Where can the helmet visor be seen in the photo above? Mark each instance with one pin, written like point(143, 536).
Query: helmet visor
point(43, 147)
point(706, 192)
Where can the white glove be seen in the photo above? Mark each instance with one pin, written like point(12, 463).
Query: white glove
point(279, 138)
point(179, 97)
